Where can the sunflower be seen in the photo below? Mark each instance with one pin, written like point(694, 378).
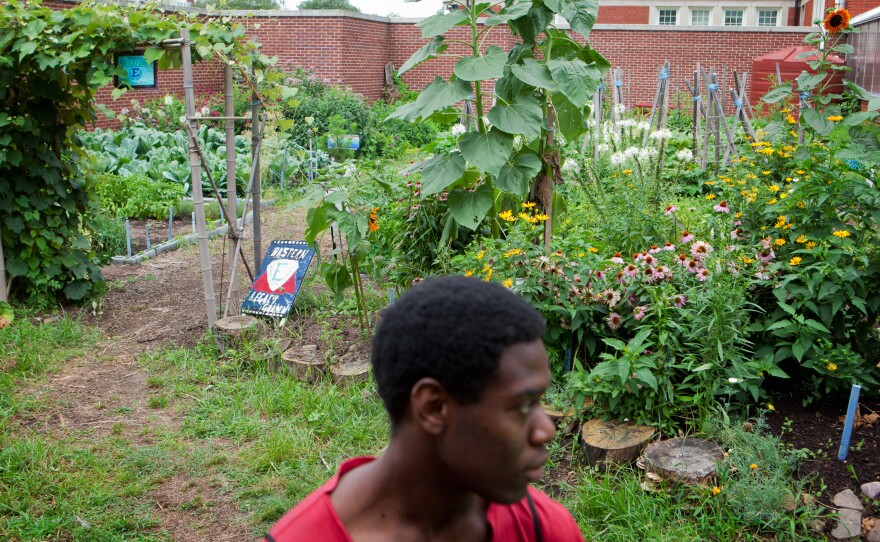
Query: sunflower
point(836, 20)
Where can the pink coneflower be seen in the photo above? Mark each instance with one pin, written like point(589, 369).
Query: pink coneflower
point(682, 259)
point(610, 297)
point(703, 274)
point(621, 278)
point(662, 273)
point(733, 268)
point(766, 242)
point(693, 266)
point(648, 259)
point(600, 275)
point(686, 237)
point(614, 320)
point(671, 209)
point(738, 234)
point(637, 257)
point(668, 246)
point(654, 249)
point(762, 276)
point(722, 207)
point(679, 300)
point(631, 270)
point(639, 312)
point(766, 255)
point(617, 258)
point(648, 274)
point(701, 249)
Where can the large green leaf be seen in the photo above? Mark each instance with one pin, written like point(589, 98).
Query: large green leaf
point(428, 51)
point(479, 68)
point(532, 72)
point(469, 208)
point(530, 26)
point(817, 121)
point(523, 116)
point(577, 80)
point(807, 81)
point(441, 171)
point(437, 25)
point(580, 14)
point(779, 93)
point(488, 151)
point(509, 13)
point(438, 95)
point(569, 117)
point(858, 118)
point(517, 174)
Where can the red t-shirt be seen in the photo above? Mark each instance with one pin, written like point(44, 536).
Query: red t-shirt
point(315, 519)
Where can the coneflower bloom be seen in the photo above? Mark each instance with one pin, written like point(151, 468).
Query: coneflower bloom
point(639, 312)
point(631, 270)
point(668, 246)
point(682, 259)
point(686, 237)
point(662, 273)
point(617, 258)
point(670, 209)
point(679, 300)
point(614, 320)
point(648, 274)
point(701, 249)
point(766, 255)
point(610, 297)
point(703, 274)
point(722, 207)
point(648, 259)
point(738, 234)
point(654, 249)
point(693, 266)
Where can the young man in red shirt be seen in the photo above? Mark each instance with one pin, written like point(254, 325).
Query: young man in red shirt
point(461, 368)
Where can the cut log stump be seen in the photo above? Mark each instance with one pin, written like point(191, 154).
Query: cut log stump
point(610, 443)
point(688, 460)
point(269, 352)
point(232, 331)
point(305, 362)
point(352, 367)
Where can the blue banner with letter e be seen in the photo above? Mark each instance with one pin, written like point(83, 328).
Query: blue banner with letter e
point(279, 280)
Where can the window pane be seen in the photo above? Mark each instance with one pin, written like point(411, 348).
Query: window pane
point(767, 17)
point(733, 17)
point(700, 17)
point(668, 16)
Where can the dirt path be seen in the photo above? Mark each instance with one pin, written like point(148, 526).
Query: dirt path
point(148, 307)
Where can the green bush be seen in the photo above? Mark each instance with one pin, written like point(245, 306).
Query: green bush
point(137, 196)
point(389, 138)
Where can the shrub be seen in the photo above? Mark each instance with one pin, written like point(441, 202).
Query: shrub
point(136, 196)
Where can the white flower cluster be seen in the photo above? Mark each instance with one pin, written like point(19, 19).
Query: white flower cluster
point(458, 129)
point(685, 155)
point(571, 167)
point(169, 99)
point(661, 135)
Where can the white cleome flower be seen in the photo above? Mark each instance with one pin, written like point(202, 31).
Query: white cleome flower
point(571, 166)
point(205, 111)
point(685, 155)
point(631, 151)
point(169, 99)
point(619, 109)
point(661, 135)
point(618, 158)
point(458, 129)
point(644, 126)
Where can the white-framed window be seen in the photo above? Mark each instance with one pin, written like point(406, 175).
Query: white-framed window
point(768, 17)
point(667, 16)
point(700, 16)
point(734, 17)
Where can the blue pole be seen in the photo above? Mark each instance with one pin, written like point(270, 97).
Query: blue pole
point(128, 237)
point(848, 425)
point(392, 293)
point(170, 221)
point(568, 359)
point(148, 237)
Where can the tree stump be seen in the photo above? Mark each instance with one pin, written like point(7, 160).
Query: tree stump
point(270, 352)
point(607, 443)
point(305, 362)
point(352, 367)
point(561, 415)
point(688, 460)
point(232, 331)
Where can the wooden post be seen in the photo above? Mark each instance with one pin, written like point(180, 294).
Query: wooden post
point(231, 184)
point(256, 137)
point(195, 168)
point(4, 295)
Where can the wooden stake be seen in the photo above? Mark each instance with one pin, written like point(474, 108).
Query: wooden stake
point(195, 168)
point(256, 139)
point(4, 296)
point(231, 184)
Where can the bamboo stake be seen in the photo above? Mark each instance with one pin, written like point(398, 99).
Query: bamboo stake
point(256, 139)
point(4, 295)
point(195, 167)
point(231, 185)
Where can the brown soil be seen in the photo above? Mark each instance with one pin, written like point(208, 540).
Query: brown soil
point(148, 307)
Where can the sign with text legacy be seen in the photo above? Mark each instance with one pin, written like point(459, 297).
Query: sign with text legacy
point(281, 275)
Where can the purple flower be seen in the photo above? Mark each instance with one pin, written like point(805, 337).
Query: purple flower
point(679, 300)
point(703, 274)
point(639, 312)
point(722, 207)
point(614, 320)
point(671, 209)
point(686, 237)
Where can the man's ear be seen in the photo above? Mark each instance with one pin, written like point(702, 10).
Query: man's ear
point(429, 401)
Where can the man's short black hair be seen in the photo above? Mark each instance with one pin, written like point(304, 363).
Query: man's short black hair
point(452, 329)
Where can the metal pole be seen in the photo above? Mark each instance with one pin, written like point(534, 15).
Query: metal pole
point(128, 236)
point(148, 236)
point(3, 296)
point(198, 201)
point(170, 222)
point(231, 184)
point(256, 135)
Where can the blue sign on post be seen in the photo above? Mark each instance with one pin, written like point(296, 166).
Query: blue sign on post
point(138, 72)
point(350, 141)
point(281, 275)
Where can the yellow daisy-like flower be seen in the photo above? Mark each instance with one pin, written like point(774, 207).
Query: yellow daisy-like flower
point(512, 252)
point(627, 172)
point(831, 366)
point(801, 205)
point(779, 242)
point(811, 245)
point(841, 233)
point(791, 119)
point(771, 201)
point(738, 215)
point(710, 197)
point(507, 215)
point(773, 188)
point(795, 261)
point(542, 217)
point(835, 118)
point(468, 273)
point(480, 254)
point(753, 466)
point(780, 221)
point(783, 195)
point(508, 283)
point(716, 490)
point(524, 216)
point(770, 407)
point(801, 239)
point(529, 204)
point(709, 183)
point(746, 259)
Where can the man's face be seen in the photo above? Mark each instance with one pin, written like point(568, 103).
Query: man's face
point(496, 445)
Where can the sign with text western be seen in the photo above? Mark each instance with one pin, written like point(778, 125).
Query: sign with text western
point(281, 275)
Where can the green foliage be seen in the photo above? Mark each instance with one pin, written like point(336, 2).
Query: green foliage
point(137, 196)
point(238, 4)
point(51, 64)
point(328, 4)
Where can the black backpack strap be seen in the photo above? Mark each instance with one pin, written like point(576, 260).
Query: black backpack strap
point(536, 521)
point(268, 538)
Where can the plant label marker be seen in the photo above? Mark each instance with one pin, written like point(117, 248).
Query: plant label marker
point(148, 237)
point(170, 222)
point(848, 425)
point(281, 275)
point(128, 236)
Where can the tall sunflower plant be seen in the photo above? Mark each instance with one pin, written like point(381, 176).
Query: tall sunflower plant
point(515, 104)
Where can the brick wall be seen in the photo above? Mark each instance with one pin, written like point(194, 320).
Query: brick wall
point(352, 49)
point(623, 15)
